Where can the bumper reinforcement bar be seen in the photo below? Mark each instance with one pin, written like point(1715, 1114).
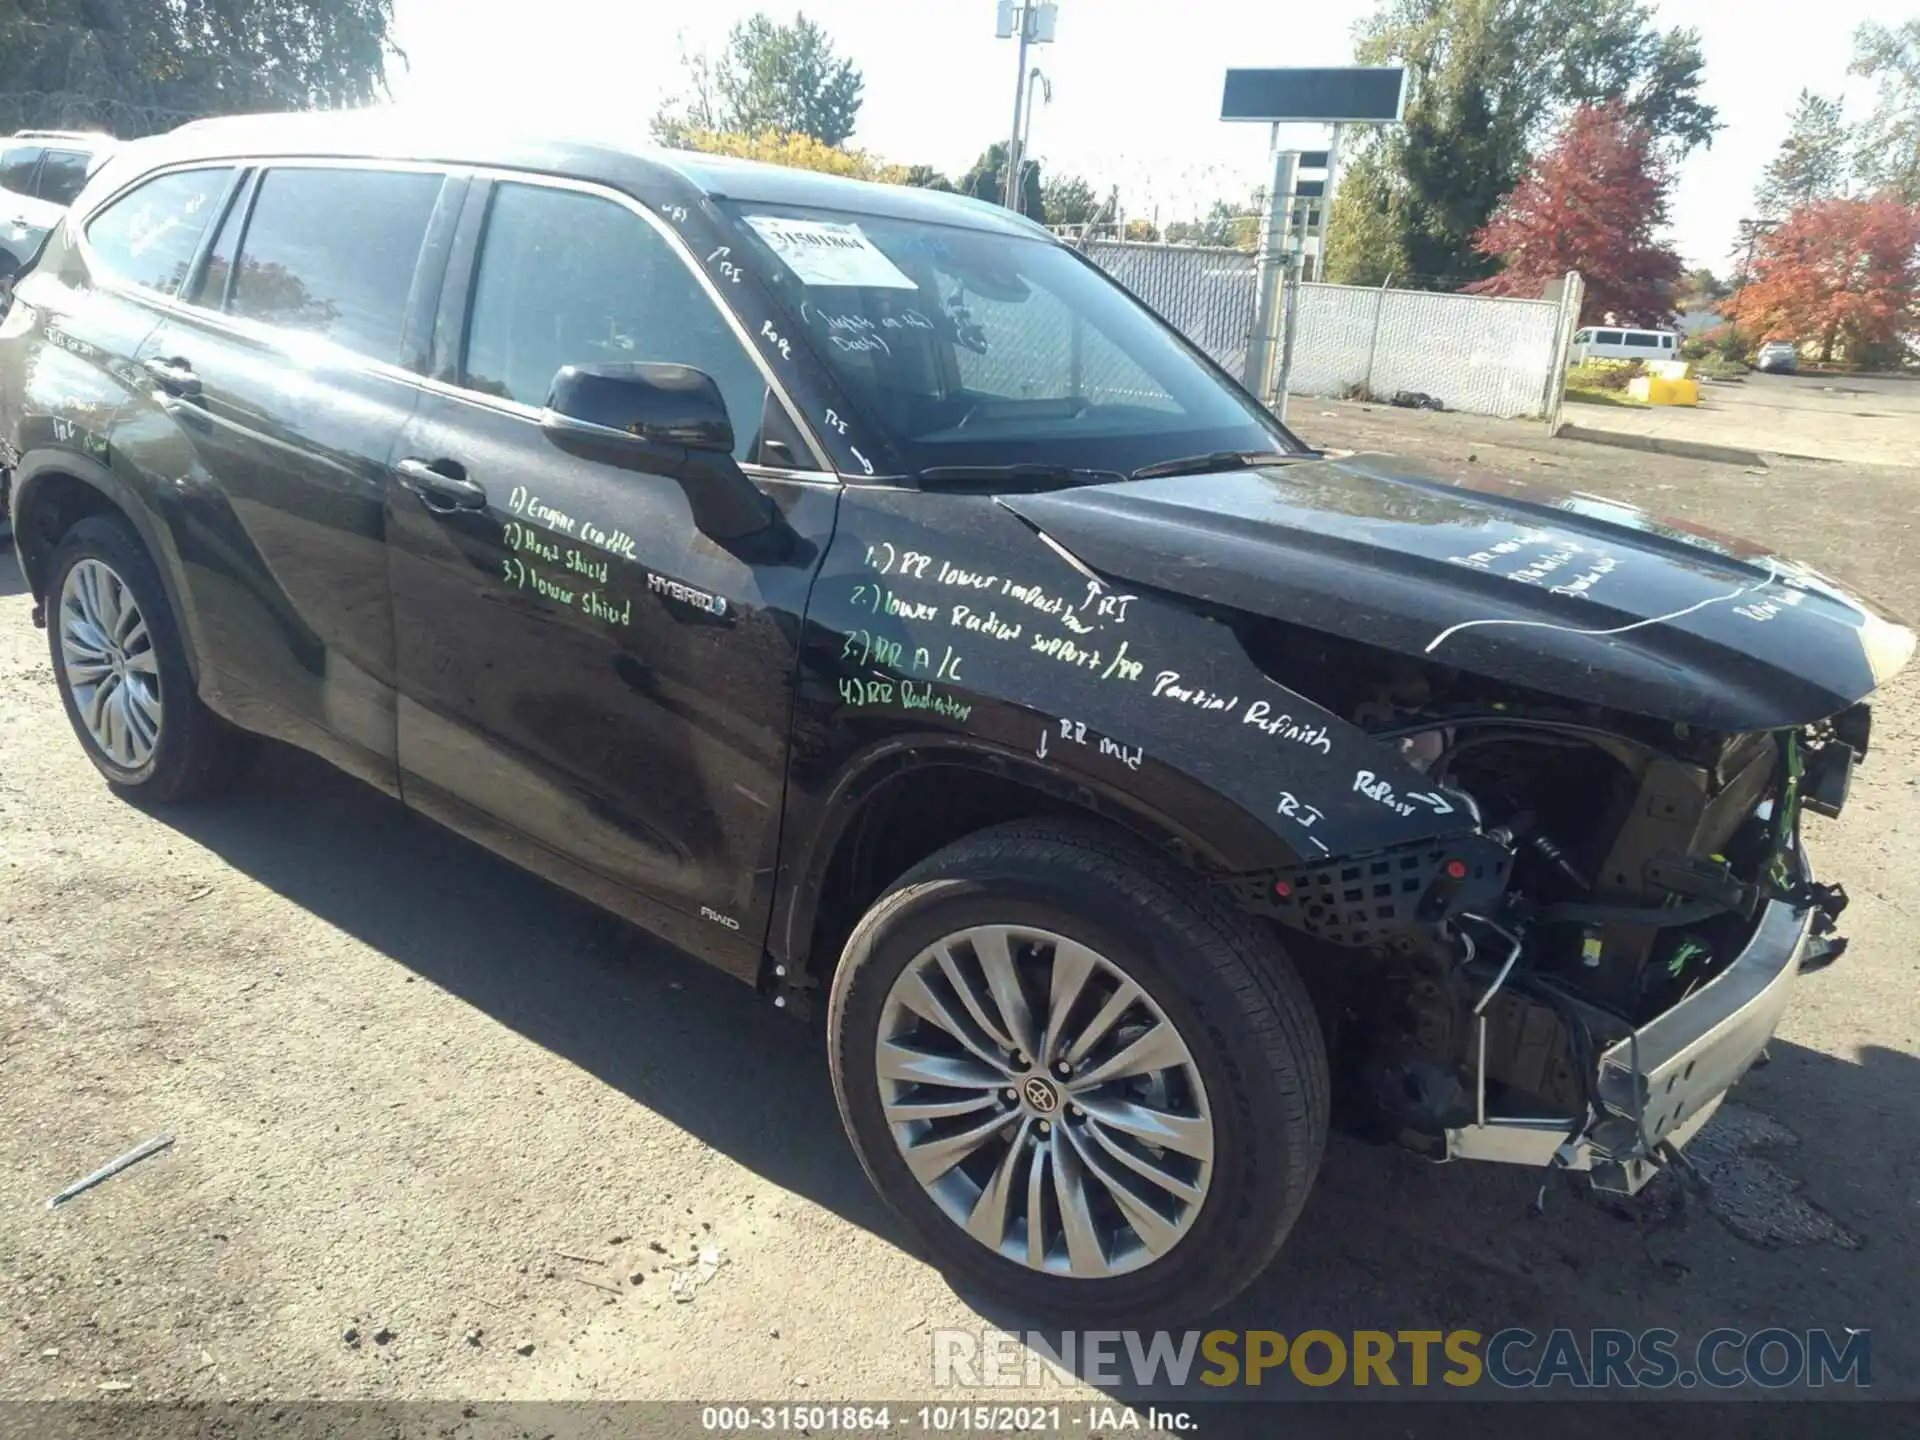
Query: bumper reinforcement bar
point(1660, 1084)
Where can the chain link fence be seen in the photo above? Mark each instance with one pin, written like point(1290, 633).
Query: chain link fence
point(1478, 353)
point(1206, 294)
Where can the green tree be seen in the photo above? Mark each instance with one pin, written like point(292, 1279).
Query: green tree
point(1813, 159)
point(796, 152)
point(1490, 80)
point(1363, 236)
point(925, 177)
point(1227, 224)
point(1888, 151)
point(987, 180)
point(138, 66)
point(786, 79)
point(1699, 289)
point(1070, 200)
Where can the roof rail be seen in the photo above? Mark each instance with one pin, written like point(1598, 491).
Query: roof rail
point(59, 135)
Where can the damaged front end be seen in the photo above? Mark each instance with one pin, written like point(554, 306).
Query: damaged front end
point(1577, 983)
point(1598, 729)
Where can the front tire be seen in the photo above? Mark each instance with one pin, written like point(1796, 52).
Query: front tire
point(1095, 1094)
point(122, 670)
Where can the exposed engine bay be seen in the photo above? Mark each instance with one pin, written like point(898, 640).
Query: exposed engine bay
point(1615, 869)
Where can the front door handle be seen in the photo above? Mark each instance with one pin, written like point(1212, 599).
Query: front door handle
point(174, 375)
point(442, 485)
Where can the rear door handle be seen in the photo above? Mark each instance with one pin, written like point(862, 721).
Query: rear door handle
point(442, 485)
point(174, 375)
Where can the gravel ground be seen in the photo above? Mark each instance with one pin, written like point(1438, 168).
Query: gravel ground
point(443, 1132)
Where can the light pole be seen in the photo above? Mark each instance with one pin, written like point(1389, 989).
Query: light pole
point(1032, 23)
point(1017, 165)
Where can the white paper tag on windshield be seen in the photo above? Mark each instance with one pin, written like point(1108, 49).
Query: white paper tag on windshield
point(822, 252)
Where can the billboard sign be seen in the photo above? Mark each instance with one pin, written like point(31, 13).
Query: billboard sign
point(1351, 95)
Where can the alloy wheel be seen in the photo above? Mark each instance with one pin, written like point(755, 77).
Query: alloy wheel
point(1044, 1102)
point(112, 670)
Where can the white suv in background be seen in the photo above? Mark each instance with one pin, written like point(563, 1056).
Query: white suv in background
point(41, 171)
point(1607, 343)
point(52, 165)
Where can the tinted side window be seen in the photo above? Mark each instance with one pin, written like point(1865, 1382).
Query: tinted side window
point(148, 235)
point(63, 175)
point(573, 279)
point(1607, 337)
point(333, 252)
point(1640, 340)
point(16, 168)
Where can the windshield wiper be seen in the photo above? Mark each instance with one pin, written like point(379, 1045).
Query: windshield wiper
point(1025, 476)
point(1220, 460)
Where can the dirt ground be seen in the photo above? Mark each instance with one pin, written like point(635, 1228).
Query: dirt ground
point(444, 1132)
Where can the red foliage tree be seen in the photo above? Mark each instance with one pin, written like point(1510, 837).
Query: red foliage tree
point(1591, 203)
point(1839, 273)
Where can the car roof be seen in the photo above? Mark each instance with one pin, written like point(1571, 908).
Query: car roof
point(585, 153)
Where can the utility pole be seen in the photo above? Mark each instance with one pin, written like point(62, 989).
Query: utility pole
point(1268, 269)
point(1338, 133)
point(1018, 163)
point(1012, 197)
point(1032, 23)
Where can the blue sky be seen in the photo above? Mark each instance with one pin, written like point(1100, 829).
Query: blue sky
point(1136, 83)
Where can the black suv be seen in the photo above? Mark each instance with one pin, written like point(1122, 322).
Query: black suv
point(856, 587)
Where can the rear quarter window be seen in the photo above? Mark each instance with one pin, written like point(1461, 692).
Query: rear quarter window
point(149, 235)
point(63, 175)
point(16, 168)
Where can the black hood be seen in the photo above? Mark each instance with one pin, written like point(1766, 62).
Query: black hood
point(1575, 596)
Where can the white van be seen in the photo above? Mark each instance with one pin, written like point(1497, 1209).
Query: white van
point(1599, 343)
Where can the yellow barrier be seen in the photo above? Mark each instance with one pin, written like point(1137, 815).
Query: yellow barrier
point(1659, 390)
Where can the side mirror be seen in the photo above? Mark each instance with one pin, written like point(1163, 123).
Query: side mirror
point(664, 420)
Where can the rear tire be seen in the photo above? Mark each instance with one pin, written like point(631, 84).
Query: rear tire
point(1235, 1085)
point(122, 670)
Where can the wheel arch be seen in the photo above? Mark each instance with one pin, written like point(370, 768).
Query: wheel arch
point(905, 798)
point(52, 492)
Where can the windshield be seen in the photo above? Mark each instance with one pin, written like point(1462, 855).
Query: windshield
point(968, 348)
